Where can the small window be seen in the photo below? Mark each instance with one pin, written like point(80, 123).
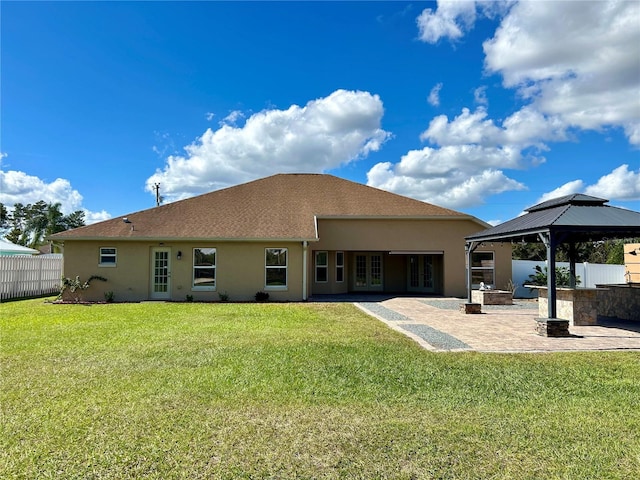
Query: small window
point(482, 268)
point(322, 267)
point(204, 269)
point(276, 268)
point(107, 257)
point(339, 267)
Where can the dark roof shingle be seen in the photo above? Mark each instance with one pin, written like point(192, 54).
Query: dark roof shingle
point(281, 206)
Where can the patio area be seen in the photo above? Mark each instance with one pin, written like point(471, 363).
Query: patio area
point(438, 325)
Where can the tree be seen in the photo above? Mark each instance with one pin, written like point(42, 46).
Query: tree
point(30, 225)
point(603, 251)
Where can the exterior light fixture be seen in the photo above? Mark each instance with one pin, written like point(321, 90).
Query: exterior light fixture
point(179, 255)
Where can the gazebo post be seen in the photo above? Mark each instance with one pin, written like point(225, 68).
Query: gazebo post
point(551, 326)
point(572, 264)
point(469, 306)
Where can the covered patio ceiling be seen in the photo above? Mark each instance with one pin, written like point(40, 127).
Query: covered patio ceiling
point(569, 219)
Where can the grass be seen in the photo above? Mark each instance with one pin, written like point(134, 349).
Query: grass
point(172, 391)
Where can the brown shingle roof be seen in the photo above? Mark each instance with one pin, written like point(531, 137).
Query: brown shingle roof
point(282, 206)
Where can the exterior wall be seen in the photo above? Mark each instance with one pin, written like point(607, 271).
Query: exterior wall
point(435, 235)
point(331, 286)
point(240, 270)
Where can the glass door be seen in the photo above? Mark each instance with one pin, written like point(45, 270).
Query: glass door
point(161, 273)
point(368, 272)
point(420, 274)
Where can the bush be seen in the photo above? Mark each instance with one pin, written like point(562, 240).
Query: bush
point(262, 296)
point(563, 276)
point(74, 287)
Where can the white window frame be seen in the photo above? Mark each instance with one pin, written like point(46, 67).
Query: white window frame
point(194, 267)
point(276, 267)
point(324, 267)
point(492, 268)
point(339, 266)
point(102, 255)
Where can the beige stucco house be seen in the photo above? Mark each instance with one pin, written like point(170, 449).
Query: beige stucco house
point(291, 235)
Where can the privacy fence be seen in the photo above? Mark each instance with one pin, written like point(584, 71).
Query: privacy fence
point(590, 274)
point(30, 276)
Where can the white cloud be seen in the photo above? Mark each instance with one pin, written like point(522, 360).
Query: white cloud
point(480, 96)
point(19, 187)
point(575, 65)
point(569, 188)
point(450, 20)
point(209, 116)
point(455, 188)
point(434, 95)
point(620, 184)
point(453, 18)
point(233, 118)
point(324, 134)
point(576, 61)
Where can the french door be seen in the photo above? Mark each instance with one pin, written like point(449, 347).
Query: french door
point(161, 273)
point(368, 272)
point(420, 274)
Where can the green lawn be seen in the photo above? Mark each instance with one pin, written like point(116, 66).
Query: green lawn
point(187, 390)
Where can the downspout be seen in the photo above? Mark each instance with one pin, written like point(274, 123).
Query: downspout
point(305, 245)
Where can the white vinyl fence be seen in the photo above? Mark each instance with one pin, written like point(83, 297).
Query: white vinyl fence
point(29, 276)
point(591, 274)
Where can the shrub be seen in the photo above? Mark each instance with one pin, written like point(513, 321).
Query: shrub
point(563, 276)
point(109, 296)
point(262, 296)
point(74, 287)
point(224, 296)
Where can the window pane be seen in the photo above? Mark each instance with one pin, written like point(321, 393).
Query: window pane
point(107, 255)
point(321, 274)
point(276, 277)
point(485, 276)
point(482, 259)
point(204, 277)
point(276, 257)
point(321, 258)
point(340, 274)
point(204, 256)
point(340, 259)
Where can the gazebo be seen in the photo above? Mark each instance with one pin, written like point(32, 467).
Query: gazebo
point(569, 219)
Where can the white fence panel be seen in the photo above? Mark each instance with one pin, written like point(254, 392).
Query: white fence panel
point(29, 276)
point(591, 274)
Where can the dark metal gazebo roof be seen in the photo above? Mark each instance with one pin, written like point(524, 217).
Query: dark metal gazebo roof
point(579, 217)
point(568, 219)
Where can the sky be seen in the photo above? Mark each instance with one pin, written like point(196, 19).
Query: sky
point(485, 107)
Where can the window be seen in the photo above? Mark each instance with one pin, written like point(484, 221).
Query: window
point(339, 266)
point(204, 269)
point(276, 268)
point(482, 268)
point(107, 257)
point(322, 267)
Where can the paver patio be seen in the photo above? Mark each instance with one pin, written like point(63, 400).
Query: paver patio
point(504, 329)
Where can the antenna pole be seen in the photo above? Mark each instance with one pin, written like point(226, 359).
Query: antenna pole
point(156, 187)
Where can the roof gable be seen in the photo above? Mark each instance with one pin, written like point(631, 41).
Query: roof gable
point(283, 206)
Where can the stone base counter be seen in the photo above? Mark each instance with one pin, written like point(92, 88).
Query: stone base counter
point(578, 305)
